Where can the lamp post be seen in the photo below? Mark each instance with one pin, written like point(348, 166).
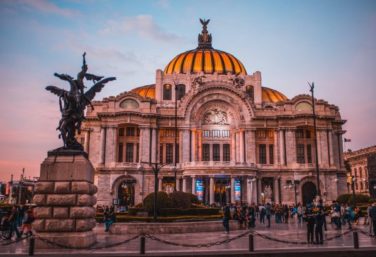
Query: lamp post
point(156, 167)
point(176, 132)
point(312, 86)
point(353, 180)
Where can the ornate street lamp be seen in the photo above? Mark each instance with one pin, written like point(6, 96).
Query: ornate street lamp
point(312, 86)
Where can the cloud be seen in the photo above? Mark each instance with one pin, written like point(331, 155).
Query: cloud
point(47, 7)
point(143, 25)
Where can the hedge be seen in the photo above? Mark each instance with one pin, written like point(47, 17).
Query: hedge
point(348, 198)
point(128, 218)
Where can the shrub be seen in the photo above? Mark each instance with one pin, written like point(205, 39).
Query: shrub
point(194, 198)
point(180, 200)
point(348, 198)
point(163, 201)
point(190, 211)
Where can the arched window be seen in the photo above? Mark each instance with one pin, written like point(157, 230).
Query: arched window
point(250, 91)
point(167, 89)
point(180, 91)
point(129, 104)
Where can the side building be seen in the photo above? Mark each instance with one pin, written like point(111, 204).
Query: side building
point(362, 164)
point(236, 139)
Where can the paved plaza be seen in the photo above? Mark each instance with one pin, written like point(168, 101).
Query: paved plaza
point(293, 233)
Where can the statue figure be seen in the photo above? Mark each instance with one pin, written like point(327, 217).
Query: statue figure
point(73, 103)
point(204, 39)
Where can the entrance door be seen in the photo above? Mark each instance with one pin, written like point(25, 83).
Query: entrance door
point(309, 192)
point(126, 194)
point(222, 191)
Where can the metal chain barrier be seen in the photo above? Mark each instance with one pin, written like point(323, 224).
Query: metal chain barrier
point(88, 248)
point(228, 240)
point(16, 241)
point(339, 235)
point(364, 232)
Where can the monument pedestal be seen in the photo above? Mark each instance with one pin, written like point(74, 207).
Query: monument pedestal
point(64, 195)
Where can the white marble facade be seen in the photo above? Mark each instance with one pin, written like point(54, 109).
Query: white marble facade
point(237, 140)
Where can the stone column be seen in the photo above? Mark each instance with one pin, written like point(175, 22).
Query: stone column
point(184, 184)
point(275, 190)
point(160, 183)
point(145, 144)
point(110, 146)
point(193, 185)
point(249, 190)
point(211, 193)
point(64, 196)
point(194, 146)
point(241, 146)
point(282, 147)
point(185, 146)
point(251, 146)
point(154, 145)
point(291, 147)
point(177, 183)
point(102, 150)
point(87, 141)
point(232, 190)
point(259, 189)
point(233, 146)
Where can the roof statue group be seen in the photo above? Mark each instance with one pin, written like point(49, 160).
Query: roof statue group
point(73, 103)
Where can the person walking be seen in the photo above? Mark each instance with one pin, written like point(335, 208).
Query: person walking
point(268, 210)
point(107, 219)
point(308, 216)
point(251, 216)
point(262, 214)
point(373, 218)
point(319, 223)
point(299, 212)
point(226, 219)
point(27, 221)
point(13, 222)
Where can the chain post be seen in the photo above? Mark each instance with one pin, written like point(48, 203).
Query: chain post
point(142, 244)
point(251, 243)
point(31, 246)
point(356, 240)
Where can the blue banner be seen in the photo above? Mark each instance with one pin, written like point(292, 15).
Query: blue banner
point(199, 189)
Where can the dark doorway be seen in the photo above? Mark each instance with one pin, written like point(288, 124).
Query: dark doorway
point(309, 192)
point(126, 194)
point(222, 191)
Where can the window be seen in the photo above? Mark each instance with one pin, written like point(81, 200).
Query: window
point(161, 153)
point(271, 154)
point(206, 152)
point(216, 154)
point(130, 132)
point(261, 134)
point(206, 133)
point(360, 172)
point(309, 153)
point(129, 104)
point(169, 153)
point(308, 134)
point(262, 153)
point(120, 152)
point(177, 153)
point(250, 91)
point(167, 92)
point(129, 152)
point(300, 153)
point(216, 133)
point(299, 133)
point(226, 133)
point(121, 132)
point(226, 152)
point(180, 91)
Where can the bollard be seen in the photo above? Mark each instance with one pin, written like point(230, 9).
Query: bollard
point(31, 246)
point(251, 245)
point(142, 244)
point(356, 240)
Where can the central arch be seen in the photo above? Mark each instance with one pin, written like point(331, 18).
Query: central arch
point(309, 192)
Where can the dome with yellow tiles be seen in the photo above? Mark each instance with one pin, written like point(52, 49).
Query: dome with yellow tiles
point(205, 59)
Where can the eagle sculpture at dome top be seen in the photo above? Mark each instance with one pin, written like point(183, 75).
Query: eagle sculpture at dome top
point(204, 39)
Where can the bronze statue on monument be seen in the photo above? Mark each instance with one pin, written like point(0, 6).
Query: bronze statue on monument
point(73, 103)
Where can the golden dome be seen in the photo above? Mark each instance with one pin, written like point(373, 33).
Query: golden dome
point(268, 95)
point(145, 91)
point(272, 96)
point(205, 58)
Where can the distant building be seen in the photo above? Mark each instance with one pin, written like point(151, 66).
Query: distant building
point(363, 168)
point(237, 140)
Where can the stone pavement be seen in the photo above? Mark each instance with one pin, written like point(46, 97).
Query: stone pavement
point(285, 232)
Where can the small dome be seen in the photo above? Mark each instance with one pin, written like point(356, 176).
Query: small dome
point(272, 96)
point(205, 58)
point(145, 91)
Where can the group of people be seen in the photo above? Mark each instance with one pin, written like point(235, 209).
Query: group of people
point(18, 221)
point(314, 215)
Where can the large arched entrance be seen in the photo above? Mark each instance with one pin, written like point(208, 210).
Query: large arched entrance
point(126, 193)
point(309, 192)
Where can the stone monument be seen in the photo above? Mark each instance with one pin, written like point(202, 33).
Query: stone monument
point(64, 193)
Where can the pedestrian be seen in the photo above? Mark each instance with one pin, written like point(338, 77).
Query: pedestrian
point(309, 218)
point(319, 223)
point(251, 216)
point(286, 213)
point(262, 214)
point(226, 219)
point(373, 218)
point(299, 212)
point(268, 210)
point(13, 222)
point(107, 219)
point(27, 221)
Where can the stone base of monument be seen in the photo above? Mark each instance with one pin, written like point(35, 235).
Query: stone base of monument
point(64, 195)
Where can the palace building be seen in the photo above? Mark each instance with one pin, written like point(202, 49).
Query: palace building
point(237, 140)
